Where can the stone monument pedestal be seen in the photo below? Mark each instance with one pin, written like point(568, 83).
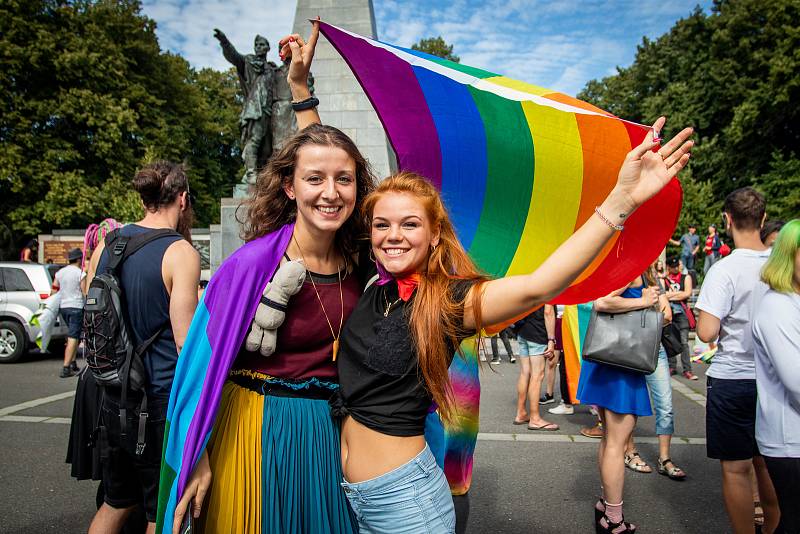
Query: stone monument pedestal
point(225, 236)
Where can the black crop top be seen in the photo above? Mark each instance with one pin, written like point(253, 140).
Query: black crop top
point(381, 385)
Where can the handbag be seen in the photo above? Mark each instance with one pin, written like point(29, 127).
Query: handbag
point(628, 340)
point(671, 340)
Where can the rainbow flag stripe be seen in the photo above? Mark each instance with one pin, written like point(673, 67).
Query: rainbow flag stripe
point(574, 324)
point(519, 166)
point(453, 446)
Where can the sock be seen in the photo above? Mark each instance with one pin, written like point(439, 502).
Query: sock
point(599, 506)
point(614, 512)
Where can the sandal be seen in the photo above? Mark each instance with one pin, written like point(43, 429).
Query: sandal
point(547, 427)
point(599, 510)
point(758, 515)
point(634, 462)
point(674, 472)
point(605, 526)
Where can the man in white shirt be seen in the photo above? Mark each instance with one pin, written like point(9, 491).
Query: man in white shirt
point(68, 282)
point(730, 292)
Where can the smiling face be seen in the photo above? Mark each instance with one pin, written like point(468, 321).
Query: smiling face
point(402, 233)
point(324, 187)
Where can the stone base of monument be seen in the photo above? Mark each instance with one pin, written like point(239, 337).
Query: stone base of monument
point(225, 236)
point(215, 247)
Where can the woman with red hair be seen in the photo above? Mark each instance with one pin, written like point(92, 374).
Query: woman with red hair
point(399, 341)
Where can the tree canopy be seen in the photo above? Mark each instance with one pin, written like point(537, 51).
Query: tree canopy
point(86, 97)
point(734, 75)
point(436, 46)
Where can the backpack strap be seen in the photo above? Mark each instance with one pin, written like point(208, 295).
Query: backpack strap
point(121, 247)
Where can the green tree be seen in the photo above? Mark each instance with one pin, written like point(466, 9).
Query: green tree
point(436, 46)
point(735, 76)
point(86, 97)
point(781, 185)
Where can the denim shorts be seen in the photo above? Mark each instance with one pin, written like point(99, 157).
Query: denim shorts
point(412, 498)
point(73, 318)
point(530, 348)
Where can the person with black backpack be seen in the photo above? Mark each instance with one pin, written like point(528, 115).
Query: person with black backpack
point(142, 295)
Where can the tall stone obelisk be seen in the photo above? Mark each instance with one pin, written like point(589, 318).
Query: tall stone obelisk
point(343, 104)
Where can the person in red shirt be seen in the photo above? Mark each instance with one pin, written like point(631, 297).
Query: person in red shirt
point(679, 289)
point(711, 248)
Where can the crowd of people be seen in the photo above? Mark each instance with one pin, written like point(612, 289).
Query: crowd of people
point(327, 433)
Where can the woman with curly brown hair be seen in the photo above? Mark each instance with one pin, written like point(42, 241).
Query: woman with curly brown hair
point(274, 450)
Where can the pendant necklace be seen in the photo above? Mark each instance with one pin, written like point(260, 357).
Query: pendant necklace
point(388, 305)
point(341, 296)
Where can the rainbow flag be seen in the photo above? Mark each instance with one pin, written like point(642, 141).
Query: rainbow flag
point(453, 446)
point(520, 167)
point(218, 329)
point(574, 323)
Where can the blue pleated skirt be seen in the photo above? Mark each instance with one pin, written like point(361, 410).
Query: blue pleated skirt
point(615, 389)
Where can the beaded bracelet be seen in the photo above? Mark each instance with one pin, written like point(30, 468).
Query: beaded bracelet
point(617, 227)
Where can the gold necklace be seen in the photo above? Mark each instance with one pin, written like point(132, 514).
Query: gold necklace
point(341, 296)
point(389, 306)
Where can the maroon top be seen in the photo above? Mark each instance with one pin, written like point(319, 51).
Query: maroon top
point(305, 345)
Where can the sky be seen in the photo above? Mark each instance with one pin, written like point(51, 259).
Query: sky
point(560, 44)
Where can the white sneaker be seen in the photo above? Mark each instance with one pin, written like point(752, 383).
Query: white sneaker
point(562, 409)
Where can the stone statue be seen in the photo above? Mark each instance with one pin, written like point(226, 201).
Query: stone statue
point(257, 78)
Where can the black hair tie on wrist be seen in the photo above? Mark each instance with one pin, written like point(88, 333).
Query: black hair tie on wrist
point(308, 103)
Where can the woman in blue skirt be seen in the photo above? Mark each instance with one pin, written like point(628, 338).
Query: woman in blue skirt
point(621, 397)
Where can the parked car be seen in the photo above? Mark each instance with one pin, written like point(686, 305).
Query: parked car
point(23, 287)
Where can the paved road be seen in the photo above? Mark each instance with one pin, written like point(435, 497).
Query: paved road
point(523, 481)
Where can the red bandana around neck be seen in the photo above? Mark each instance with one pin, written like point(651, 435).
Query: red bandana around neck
point(407, 285)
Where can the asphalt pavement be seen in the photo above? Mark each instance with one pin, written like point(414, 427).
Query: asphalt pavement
point(523, 481)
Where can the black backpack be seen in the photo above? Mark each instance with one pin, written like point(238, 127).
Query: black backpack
point(109, 347)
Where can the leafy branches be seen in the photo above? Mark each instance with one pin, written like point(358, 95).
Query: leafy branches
point(86, 96)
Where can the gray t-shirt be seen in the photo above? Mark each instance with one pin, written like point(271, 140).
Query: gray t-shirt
point(730, 292)
point(69, 283)
point(688, 243)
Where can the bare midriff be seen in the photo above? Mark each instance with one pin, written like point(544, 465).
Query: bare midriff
point(367, 454)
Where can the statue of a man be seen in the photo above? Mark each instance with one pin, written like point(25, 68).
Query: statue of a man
point(256, 77)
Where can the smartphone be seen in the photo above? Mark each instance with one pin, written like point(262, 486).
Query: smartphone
point(187, 525)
